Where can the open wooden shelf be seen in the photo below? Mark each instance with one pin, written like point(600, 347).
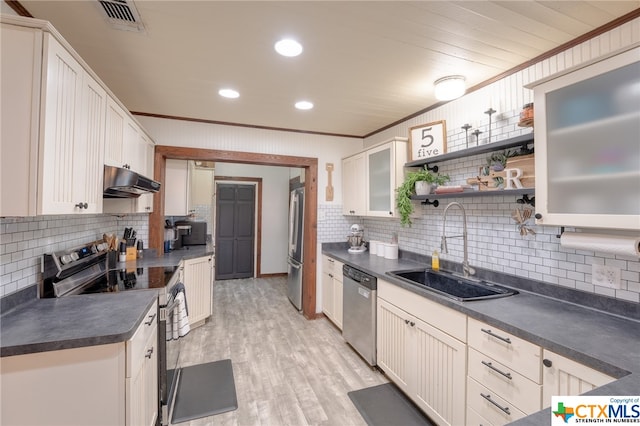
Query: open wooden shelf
point(525, 192)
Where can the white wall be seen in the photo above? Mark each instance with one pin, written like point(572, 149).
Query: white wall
point(275, 201)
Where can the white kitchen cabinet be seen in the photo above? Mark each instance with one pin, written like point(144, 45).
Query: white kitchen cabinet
point(587, 150)
point(504, 379)
point(144, 203)
point(354, 185)
point(20, 71)
point(370, 179)
point(563, 376)
point(96, 385)
point(332, 290)
point(72, 138)
point(177, 187)
point(141, 382)
point(114, 134)
point(385, 172)
point(421, 348)
point(198, 283)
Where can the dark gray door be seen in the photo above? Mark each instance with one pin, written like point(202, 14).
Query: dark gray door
point(235, 225)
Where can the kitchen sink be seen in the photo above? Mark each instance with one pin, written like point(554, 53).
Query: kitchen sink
point(451, 285)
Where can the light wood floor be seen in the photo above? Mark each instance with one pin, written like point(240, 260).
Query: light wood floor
point(287, 370)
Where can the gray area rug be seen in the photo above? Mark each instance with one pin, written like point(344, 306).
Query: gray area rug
point(205, 390)
point(386, 405)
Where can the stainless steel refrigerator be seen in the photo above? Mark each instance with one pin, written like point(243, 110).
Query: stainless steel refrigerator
point(296, 238)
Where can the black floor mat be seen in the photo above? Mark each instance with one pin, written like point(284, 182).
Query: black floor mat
point(205, 390)
point(386, 405)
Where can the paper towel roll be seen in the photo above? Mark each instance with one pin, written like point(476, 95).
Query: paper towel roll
point(615, 244)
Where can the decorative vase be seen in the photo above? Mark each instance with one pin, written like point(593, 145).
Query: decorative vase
point(423, 188)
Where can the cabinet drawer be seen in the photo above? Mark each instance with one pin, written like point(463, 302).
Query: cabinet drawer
point(445, 319)
point(509, 350)
point(505, 382)
point(332, 267)
point(475, 419)
point(138, 345)
point(490, 406)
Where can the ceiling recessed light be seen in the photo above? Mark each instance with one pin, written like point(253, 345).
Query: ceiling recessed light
point(288, 47)
point(304, 105)
point(228, 93)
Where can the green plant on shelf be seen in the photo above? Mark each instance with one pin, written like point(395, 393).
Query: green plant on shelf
point(407, 189)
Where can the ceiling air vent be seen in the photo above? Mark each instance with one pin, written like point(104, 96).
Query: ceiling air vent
point(122, 15)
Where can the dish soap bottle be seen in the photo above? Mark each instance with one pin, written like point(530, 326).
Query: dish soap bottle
point(435, 260)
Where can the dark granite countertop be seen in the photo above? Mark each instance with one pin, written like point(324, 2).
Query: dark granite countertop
point(41, 325)
point(605, 342)
point(74, 321)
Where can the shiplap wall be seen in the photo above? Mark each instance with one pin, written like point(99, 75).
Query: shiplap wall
point(494, 242)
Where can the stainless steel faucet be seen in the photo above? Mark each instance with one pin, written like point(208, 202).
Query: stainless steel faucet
point(466, 269)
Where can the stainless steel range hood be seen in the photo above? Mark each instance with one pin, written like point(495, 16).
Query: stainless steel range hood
point(124, 183)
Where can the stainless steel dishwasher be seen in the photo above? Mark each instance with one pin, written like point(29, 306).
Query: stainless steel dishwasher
point(359, 293)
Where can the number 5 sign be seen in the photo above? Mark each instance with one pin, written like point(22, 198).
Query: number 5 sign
point(428, 140)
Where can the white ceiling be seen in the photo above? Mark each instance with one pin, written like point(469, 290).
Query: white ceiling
point(365, 64)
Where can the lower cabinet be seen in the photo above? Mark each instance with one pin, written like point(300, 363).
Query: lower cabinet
point(418, 351)
point(332, 290)
point(113, 384)
point(504, 380)
point(198, 282)
point(562, 376)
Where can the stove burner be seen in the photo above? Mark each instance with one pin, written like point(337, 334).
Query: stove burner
point(116, 280)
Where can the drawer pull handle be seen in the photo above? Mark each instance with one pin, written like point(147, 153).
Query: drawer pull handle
point(151, 319)
point(491, 333)
point(488, 398)
point(149, 353)
point(488, 364)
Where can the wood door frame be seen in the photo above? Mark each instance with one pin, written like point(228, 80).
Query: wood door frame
point(156, 218)
point(258, 220)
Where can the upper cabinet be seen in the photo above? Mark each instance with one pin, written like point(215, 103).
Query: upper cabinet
point(587, 150)
point(62, 127)
point(385, 173)
point(369, 179)
point(177, 197)
point(353, 185)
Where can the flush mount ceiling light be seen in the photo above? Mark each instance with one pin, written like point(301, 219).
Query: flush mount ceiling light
point(228, 93)
point(304, 105)
point(288, 47)
point(450, 87)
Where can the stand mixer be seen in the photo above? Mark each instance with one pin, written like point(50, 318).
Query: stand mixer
point(355, 239)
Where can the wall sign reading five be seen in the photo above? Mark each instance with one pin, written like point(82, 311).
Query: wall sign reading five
point(428, 140)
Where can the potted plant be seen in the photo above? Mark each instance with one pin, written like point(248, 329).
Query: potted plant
point(408, 188)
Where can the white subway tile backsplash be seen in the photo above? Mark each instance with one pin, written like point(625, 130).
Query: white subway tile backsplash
point(23, 241)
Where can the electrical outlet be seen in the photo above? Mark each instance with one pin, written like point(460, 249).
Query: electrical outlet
point(605, 276)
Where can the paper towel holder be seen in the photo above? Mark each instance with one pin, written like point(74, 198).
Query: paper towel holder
point(561, 232)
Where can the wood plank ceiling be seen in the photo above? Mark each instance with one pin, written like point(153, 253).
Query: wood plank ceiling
point(365, 63)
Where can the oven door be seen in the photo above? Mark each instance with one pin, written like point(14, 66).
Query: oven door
point(169, 365)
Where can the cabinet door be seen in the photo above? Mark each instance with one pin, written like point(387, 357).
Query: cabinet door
point(587, 151)
point(62, 100)
point(20, 75)
point(72, 140)
point(89, 151)
point(353, 185)
point(392, 343)
point(440, 373)
point(142, 386)
point(114, 134)
point(198, 281)
point(176, 188)
point(145, 201)
point(327, 295)
point(337, 301)
point(380, 184)
point(566, 377)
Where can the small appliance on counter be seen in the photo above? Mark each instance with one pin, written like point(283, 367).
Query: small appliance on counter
point(354, 238)
point(198, 234)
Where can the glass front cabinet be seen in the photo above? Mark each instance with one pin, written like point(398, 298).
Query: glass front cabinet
point(588, 145)
point(385, 172)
